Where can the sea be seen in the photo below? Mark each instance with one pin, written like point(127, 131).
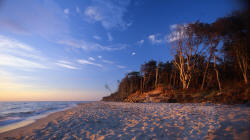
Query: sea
point(18, 114)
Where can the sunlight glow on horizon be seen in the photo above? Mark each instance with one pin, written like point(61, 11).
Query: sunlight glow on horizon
point(63, 50)
point(50, 95)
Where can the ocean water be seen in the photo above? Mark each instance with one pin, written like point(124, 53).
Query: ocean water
point(17, 114)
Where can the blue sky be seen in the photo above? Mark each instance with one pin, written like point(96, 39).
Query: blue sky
point(69, 49)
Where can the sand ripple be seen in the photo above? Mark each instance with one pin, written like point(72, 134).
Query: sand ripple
point(108, 120)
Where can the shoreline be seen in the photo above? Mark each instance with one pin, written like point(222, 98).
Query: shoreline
point(35, 124)
point(113, 120)
point(29, 120)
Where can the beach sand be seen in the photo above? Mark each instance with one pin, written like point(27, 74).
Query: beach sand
point(110, 120)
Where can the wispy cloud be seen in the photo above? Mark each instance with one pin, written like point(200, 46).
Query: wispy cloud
point(173, 27)
point(72, 43)
point(78, 9)
point(121, 66)
point(109, 13)
point(8, 43)
point(140, 42)
point(97, 37)
point(155, 39)
point(83, 61)
point(13, 47)
point(177, 32)
point(20, 55)
point(110, 38)
point(66, 11)
point(91, 58)
point(93, 13)
point(66, 64)
point(13, 61)
point(133, 53)
point(107, 61)
point(91, 46)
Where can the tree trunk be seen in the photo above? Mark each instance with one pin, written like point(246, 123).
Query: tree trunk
point(156, 76)
point(243, 67)
point(245, 78)
point(242, 62)
point(144, 80)
point(174, 83)
point(205, 73)
point(170, 79)
point(142, 85)
point(217, 73)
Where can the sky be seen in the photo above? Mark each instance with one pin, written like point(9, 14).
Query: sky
point(65, 50)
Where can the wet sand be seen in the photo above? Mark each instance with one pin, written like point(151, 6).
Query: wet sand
point(109, 120)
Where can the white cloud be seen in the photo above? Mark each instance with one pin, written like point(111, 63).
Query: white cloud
point(97, 37)
point(13, 61)
point(93, 13)
point(91, 45)
point(140, 42)
point(66, 64)
point(108, 61)
point(66, 11)
point(133, 53)
point(109, 13)
point(110, 38)
point(13, 47)
point(174, 36)
point(20, 55)
point(173, 27)
point(78, 9)
point(177, 32)
point(155, 39)
point(121, 66)
point(72, 43)
point(105, 61)
point(8, 43)
point(82, 61)
point(91, 58)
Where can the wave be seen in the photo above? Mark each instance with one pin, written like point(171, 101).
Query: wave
point(12, 112)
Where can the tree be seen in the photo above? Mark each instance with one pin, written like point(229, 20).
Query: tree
point(235, 34)
point(209, 35)
point(185, 46)
point(201, 31)
point(209, 56)
point(148, 71)
point(107, 87)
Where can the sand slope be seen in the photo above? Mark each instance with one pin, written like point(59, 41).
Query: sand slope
point(109, 120)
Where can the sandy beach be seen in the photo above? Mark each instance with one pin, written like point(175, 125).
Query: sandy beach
point(110, 120)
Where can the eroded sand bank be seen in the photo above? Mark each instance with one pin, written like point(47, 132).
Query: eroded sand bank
point(108, 120)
